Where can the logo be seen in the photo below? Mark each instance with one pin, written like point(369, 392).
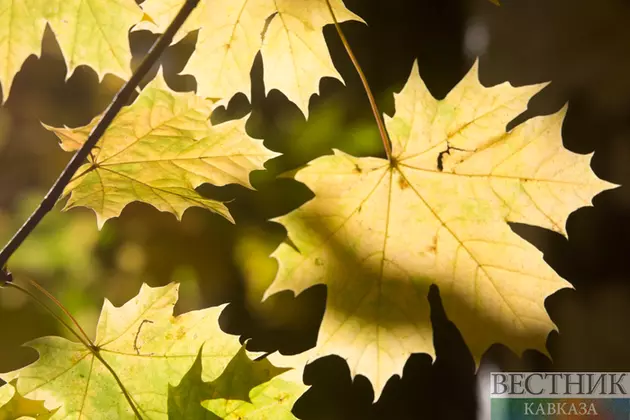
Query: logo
point(559, 395)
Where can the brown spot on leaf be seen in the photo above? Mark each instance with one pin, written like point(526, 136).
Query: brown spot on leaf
point(433, 247)
point(402, 183)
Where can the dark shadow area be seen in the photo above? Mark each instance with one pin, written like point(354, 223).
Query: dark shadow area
point(440, 389)
point(283, 322)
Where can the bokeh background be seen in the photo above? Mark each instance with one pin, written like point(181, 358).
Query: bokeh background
point(582, 46)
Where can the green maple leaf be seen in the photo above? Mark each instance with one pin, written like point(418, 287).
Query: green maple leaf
point(90, 32)
point(379, 234)
point(149, 350)
point(158, 150)
point(246, 390)
point(287, 32)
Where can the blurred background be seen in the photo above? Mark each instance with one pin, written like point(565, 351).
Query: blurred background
point(582, 46)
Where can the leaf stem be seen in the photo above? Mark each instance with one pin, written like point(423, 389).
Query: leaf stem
point(63, 308)
point(63, 322)
point(88, 344)
point(120, 100)
point(377, 114)
point(131, 402)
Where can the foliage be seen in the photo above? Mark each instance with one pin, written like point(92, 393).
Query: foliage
point(288, 34)
point(87, 32)
point(14, 406)
point(157, 151)
point(139, 337)
point(245, 390)
point(378, 232)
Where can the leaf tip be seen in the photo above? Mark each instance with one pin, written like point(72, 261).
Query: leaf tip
point(100, 220)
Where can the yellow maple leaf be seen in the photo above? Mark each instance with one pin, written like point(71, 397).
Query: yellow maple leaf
point(287, 32)
point(379, 234)
point(14, 406)
point(158, 150)
point(90, 32)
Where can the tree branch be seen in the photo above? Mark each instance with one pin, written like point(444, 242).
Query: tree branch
point(120, 100)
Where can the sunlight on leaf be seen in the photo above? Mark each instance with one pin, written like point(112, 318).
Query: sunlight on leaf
point(90, 32)
point(158, 150)
point(378, 235)
point(14, 406)
point(149, 350)
point(287, 32)
point(246, 390)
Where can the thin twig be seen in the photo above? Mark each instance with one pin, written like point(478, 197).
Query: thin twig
point(366, 86)
point(120, 100)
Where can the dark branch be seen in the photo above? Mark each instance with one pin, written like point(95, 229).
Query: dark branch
point(120, 100)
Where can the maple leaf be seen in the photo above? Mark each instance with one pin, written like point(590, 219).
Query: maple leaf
point(158, 150)
point(15, 406)
point(149, 350)
point(246, 390)
point(379, 234)
point(90, 32)
point(287, 32)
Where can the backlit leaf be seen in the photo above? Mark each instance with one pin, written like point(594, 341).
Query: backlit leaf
point(378, 235)
point(246, 390)
point(89, 32)
point(150, 350)
point(14, 406)
point(231, 32)
point(158, 150)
